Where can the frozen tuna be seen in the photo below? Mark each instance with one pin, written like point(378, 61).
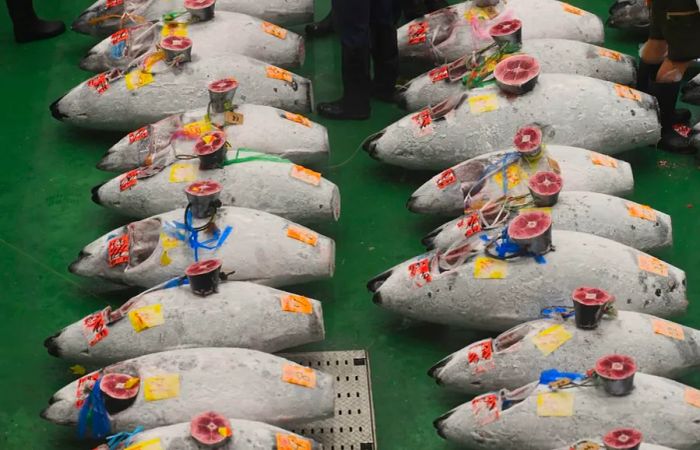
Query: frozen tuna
point(471, 287)
point(105, 17)
point(254, 246)
point(691, 91)
point(173, 317)
point(171, 387)
point(485, 120)
point(617, 439)
point(630, 15)
point(226, 34)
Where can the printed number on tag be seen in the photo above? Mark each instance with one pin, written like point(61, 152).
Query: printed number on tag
point(423, 122)
point(128, 180)
point(151, 444)
point(641, 211)
point(419, 272)
point(483, 103)
point(666, 328)
point(446, 178)
point(299, 375)
point(113, 3)
point(118, 250)
point(279, 74)
point(627, 92)
point(178, 29)
point(146, 317)
point(85, 385)
point(480, 356)
point(490, 268)
point(551, 338)
point(298, 118)
point(138, 78)
point(95, 326)
point(183, 173)
point(555, 404)
point(233, 118)
point(486, 409)
point(161, 387)
point(571, 9)
point(653, 265)
point(306, 175)
point(99, 83)
point(470, 224)
point(138, 135)
point(119, 36)
point(612, 54)
point(417, 33)
point(302, 235)
point(296, 304)
point(439, 74)
point(292, 442)
point(274, 30)
point(599, 159)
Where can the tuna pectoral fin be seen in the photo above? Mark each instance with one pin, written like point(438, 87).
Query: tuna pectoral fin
point(375, 283)
point(370, 144)
point(56, 111)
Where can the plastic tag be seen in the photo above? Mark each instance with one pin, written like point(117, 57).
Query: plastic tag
point(641, 211)
point(417, 33)
point(479, 13)
point(292, 442)
point(571, 9)
point(99, 83)
point(225, 431)
point(483, 103)
point(113, 3)
point(470, 224)
point(151, 444)
point(178, 29)
point(692, 397)
point(95, 326)
point(146, 317)
point(650, 264)
point(490, 268)
point(298, 118)
point(555, 404)
point(299, 375)
point(480, 356)
point(305, 175)
point(419, 271)
point(183, 173)
point(77, 369)
point(666, 328)
point(119, 36)
point(514, 173)
point(195, 130)
point(599, 159)
point(279, 74)
point(446, 178)
point(486, 409)
point(118, 250)
point(424, 123)
point(439, 74)
point(612, 54)
point(302, 235)
point(296, 304)
point(152, 59)
point(544, 210)
point(128, 180)
point(274, 30)
point(138, 78)
point(138, 135)
point(161, 387)
point(551, 338)
point(233, 118)
point(85, 385)
point(627, 92)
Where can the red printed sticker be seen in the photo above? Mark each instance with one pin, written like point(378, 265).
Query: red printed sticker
point(486, 409)
point(470, 224)
point(99, 83)
point(113, 3)
point(420, 272)
point(138, 135)
point(118, 250)
point(119, 36)
point(446, 178)
point(85, 385)
point(424, 123)
point(95, 326)
point(480, 356)
point(439, 74)
point(417, 32)
point(128, 180)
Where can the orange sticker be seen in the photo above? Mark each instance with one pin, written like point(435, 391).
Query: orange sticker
point(641, 211)
point(119, 36)
point(279, 74)
point(128, 180)
point(271, 28)
point(603, 160)
point(571, 9)
point(292, 442)
point(306, 175)
point(653, 265)
point(446, 178)
point(299, 375)
point(627, 92)
point(692, 397)
point(296, 304)
point(302, 235)
point(612, 54)
point(138, 135)
point(118, 250)
point(298, 118)
point(666, 328)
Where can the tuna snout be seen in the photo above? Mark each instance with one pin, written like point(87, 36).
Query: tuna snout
point(96, 193)
point(56, 111)
point(400, 96)
point(375, 283)
point(87, 62)
point(439, 423)
point(51, 344)
point(434, 371)
point(429, 240)
point(370, 144)
point(75, 266)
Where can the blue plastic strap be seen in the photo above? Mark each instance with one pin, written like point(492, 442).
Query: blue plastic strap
point(175, 282)
point(124, 438)
point(191, 236)
point(94, 408)
point(557, 311)
point(552, 375)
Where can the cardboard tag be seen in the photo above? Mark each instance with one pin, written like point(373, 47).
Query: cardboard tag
point(178, 29)
point(118, 250)
point(480, 356)
point(279, 74)
point(233, 118)
point(85, 385)
point(692, 397)
point(138, 135)
point(151, 444)
point(483, 103)
point(95, 326)
point(571, 9)
point(446, 178)
point(296, 304)
point(418, 33)
point(666, 328)
point(471, 225)
point(419, 271)
point(274, 30)
point(551, 338)
point(650, 264)
point(305, 175)
point(146, 317)
point(195, 130)
point(641, 211)
point(439, 74)
point(292, 442)
point(99, 83)
point(299, 375)
point(555, 404)
point(486, 409)
point(490, 268)
point(424, 123)
point(128, 180)
point(599, 159)
point(138, 78)
point(119, 36)
point(298, 118)
point(183, 173)
point(161, 387)
point(302, 235)
point(627, 92)
point(612, 54)
point(514, 173)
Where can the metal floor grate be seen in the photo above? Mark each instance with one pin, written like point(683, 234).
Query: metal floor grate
point(352, 427)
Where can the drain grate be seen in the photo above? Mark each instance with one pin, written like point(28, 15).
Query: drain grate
point(352, 427)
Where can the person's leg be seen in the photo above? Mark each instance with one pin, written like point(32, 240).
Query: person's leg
point(413, 9)
point(385, 50)
point(651, 56)
point(27, 26)
point(674, 134)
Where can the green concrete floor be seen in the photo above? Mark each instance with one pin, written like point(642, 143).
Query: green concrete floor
point(48, 216)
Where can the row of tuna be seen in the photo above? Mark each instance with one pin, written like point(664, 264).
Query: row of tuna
point(217, 189)
point(542, 246)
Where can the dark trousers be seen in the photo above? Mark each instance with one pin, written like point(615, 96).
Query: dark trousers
point(21, 11)
point(357, 18)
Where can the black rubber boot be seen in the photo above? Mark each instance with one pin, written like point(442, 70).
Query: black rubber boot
point(322, 28)
point(675, 134)
point(646, 75)
point(413, 9)
point(354, 105)
point(27, 26)
point(385, 57)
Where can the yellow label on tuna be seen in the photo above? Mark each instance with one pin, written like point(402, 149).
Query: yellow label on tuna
point(551, 338)
point(555, 404)
point(146, 317)
point(161, 387)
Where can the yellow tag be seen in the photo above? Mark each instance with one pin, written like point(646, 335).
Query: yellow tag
point(146, 317)
point(670, 329)
point(193, 130)
point(476, 12)
point(182, 173)
point(296, 304)
point(612, 54)
point(279, 74)
point(306, 175)
point(152, 59)
point(544, 210)
point(514, 173)
point(692, 397)
point(299, 375)
point(233, 118)
point(174, 29)
point(627, 92)
point(292, 442)
point(168, 242)
point(161, 387)
point(599, 159)
point(298, 118)
point(571, 9)
point(138, 78)
point(151, 444)
point(641, 211)
point(300, 234)
point(131, 382)
point(483, 103)
point(224, 431)
point(653, 265)
point(278, 32)
point(551, 338)
point(490, 268)
point(555, 404)
point(78, 370)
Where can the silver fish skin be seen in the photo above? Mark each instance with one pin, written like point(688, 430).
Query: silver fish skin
point(245, 435)
point(277, 187)
point(554, 56)
point(516, 358)
point(190, 321)
point(520, 427)
point(574, 110)
point(630, 15)
point(226, 34)
point(582, 170)
point(606, 216)
point(177, 89)
point(94, 21)
point(236, 383)
point(456, 297)
point(450, 35)
point(264, 129)
point(259, 249)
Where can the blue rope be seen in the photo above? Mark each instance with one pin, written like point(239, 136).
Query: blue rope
point(123, 439)
point(557, 311)
point(94, 407)
point(552, 375)
point(190, 235)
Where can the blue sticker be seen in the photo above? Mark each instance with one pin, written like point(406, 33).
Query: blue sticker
point(118, 50)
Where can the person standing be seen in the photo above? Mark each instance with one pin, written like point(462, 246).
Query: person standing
point(674, 41)
point(27, 26)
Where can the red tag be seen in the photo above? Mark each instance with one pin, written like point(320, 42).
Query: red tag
point(420, 272)
point(113, 3)
point(138, 135)
point(446, 178)
point(683, 130)
point(118, 250)
point(99, 83)
point(471, 225)
point(121, 35)
point(85, 385)
point(423, 119)
point(95, 326)
point(417, 32)
point(480, 355)
point(439, 74)
point(128, 180)
point(485, 409)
